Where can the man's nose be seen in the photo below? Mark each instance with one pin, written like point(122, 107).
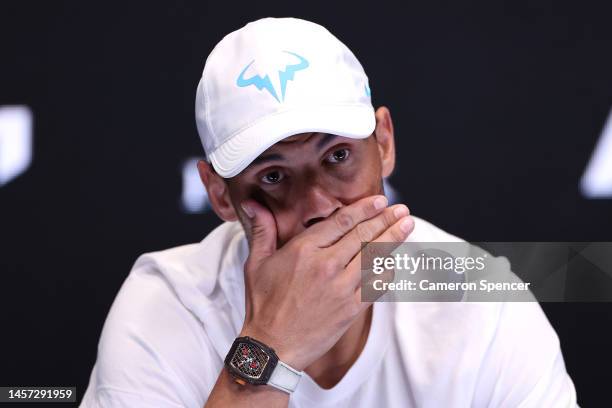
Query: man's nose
point(318, 203)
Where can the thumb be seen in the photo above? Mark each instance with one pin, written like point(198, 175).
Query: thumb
point(262, 232)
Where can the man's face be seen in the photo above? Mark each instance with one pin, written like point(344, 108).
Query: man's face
point(307, 177)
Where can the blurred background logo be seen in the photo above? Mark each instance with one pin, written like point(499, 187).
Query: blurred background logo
point(597, 179)
point(15, 141)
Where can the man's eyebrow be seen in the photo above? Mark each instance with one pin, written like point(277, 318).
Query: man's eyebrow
point(267, 157)
point(325, 140)
point(264, 158)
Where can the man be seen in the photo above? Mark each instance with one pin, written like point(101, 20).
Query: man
point(266, 311)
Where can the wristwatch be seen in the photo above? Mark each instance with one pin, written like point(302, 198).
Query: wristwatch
point(251, 361)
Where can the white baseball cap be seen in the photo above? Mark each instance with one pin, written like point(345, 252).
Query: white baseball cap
point(274, 78)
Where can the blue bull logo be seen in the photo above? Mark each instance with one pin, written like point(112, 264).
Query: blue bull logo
point(284, 75)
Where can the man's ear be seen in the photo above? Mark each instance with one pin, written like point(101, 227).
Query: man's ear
point(217, 190)
point(386, 142)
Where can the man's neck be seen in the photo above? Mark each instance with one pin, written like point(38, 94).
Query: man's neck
point(328, 370)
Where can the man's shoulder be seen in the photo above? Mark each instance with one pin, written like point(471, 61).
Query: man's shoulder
point(201, 276)
point(180, 288)
point(201, 255)
point(185, 278)
point(197, 264)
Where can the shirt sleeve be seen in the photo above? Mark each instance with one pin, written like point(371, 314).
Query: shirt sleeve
point(524, 366)
point(153, 352)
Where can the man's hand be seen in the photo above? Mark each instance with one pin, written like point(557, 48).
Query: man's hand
point(302, 298)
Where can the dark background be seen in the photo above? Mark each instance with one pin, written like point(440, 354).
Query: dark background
point(497, 108)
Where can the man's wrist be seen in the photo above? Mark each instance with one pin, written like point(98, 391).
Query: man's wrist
point(240, 385)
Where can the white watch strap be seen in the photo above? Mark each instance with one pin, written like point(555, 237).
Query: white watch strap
point(285, 378)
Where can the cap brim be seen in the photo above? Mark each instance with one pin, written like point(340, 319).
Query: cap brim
point(233, 156)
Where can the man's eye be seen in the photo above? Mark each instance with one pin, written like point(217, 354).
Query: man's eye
point(273, 177)
point(338, 156)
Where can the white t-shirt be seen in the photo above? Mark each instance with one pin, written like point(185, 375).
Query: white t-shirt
point(179, 311)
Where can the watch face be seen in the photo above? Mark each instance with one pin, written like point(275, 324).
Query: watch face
point(249, 360)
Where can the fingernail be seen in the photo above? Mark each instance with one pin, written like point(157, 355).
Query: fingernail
point(400, 211)
point(406, 225)
point(380, 202)
point(248, 210)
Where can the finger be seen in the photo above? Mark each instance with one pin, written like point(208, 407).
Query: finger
point(345, 219)
point(262, 232)
point(392, 237)
point(348, 246)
